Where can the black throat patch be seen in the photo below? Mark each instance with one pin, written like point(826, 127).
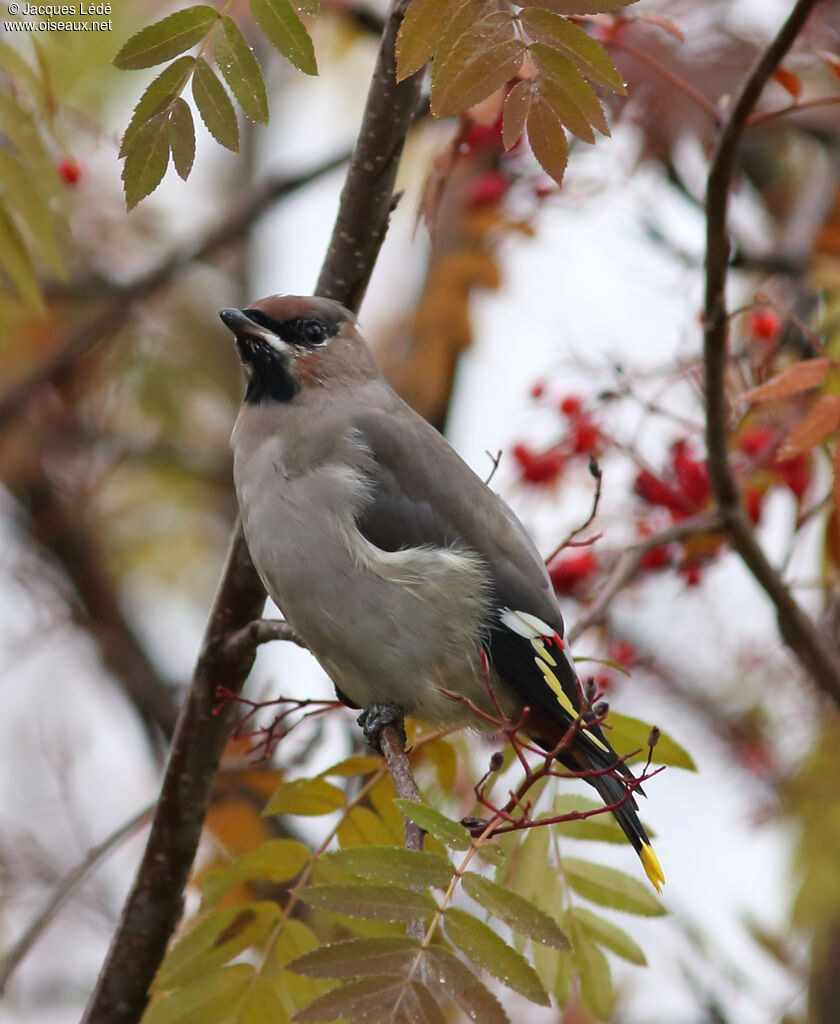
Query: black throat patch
point(270, 378)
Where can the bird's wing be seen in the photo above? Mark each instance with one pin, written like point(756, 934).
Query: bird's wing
point(422, 493)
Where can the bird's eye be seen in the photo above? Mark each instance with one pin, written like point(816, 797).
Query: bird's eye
point(313, 332)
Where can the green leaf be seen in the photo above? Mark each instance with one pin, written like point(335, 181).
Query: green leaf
point(602, 827)
point(585, 53)
point(420, 34)
point(611, 888)
point(391, 864)
point(474, 998)
point(294, 941)
point(146, 159)
point(241, 70)
point(516, 911)
point(482, 60)
point(286, 32)
point(30, 209)
point(359, 765)
point(605, 933)
point(371, 902)
point(166, 38)
point(206, 1000)
point(359, 1000)
point(517, 105)
point(214, 106)
point(16, 261)
point(553, 66)
point(213, 941)
point(182, 137)
point(596, 988)
point(447, 831)
point(547, 138)
point(264, 1003)
point(363, 827)
point(160, 93)
point(493, 954)
point(277, 860)
point(307, 797)
point(356, 957)
point(630, 734)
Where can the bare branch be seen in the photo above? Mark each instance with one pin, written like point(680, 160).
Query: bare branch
point(154, 905)
point(628, 564)
point(65, 889)
point(261, 631)
point(596, 471)
point(797, 629)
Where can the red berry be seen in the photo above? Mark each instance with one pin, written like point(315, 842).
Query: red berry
point(796, 474)
point(752, 504)
point(486, 189)
point(691, 474)
point(656, 558)
point(764, 324)
point(691, 574)
point(623, 653)
point(756, 441)
point(539, 467)
point(538, 389)
point(587, 438)
point(569, 572)
point(571, 405)
point(69, 169)
point(484, 136)
point(655, 491)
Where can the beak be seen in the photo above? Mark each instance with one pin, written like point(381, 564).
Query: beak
point(242, 326)
point(236, 321)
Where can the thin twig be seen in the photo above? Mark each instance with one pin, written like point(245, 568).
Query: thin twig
point(64, 890)
point(598, 474)
point(495, 460)
point(630, 559)
point(261, 631)
point(797, 629)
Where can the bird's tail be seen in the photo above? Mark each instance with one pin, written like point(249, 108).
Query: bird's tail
point(612, 790)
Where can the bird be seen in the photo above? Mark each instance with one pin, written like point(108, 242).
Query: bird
point(406, 576)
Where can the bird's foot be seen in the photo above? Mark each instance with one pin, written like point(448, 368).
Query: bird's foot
point(374, 719)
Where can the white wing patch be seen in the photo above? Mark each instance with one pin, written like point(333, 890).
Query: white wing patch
point(525, 624)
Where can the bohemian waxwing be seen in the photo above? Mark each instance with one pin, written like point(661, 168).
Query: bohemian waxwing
point(392, 560)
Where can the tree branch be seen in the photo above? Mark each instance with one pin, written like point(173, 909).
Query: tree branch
point(797, 629)
point(628, 563)
point(122, 298)
point(154, 905)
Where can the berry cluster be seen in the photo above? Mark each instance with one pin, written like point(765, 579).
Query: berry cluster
point(582, 439)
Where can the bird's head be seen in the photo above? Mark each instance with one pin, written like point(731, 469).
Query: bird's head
point(288, 343)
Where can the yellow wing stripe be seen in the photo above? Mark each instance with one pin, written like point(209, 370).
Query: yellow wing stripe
point(563, 700)
point(539, 647)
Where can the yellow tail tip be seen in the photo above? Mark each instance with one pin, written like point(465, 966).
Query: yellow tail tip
point(653, 869)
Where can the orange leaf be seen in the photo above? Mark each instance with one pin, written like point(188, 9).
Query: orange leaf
point(810, 373)
point(420, 33)
point(819, 422)
point(547, 138)
point(789, 81)
point(482, 60)
point(517, 105)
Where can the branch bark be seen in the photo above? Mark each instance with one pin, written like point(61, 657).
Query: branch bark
point(797, 629)
point(154, 905)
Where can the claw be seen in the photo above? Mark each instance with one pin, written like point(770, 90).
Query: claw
point(374, 718)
